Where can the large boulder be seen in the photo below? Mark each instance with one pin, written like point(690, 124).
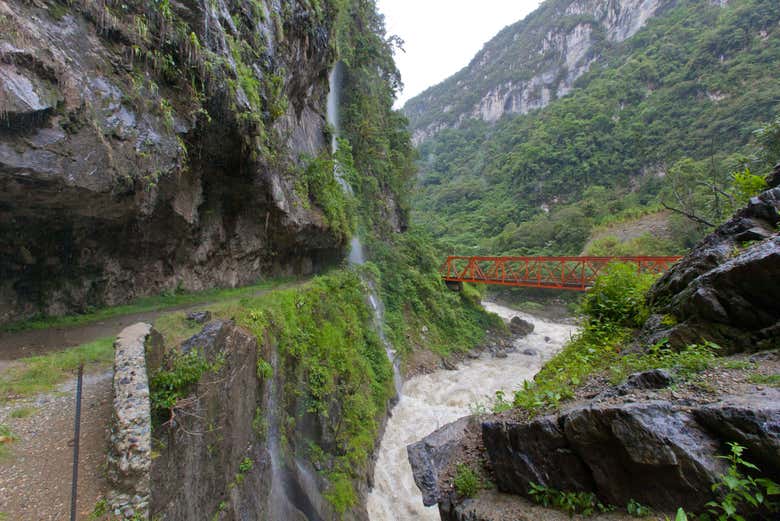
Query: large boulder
point(661, 453)
point(519, 326)
point(652, 452)
point(725, 290)
point(432, 455)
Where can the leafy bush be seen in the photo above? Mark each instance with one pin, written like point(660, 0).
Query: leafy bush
point(636, 509)
point(618, 296)
point(746, 185)
point(585, 503)
point(466, 481)
point(741, 493)
point(168, 386)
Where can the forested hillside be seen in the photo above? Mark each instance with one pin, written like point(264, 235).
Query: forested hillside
point(665, 117)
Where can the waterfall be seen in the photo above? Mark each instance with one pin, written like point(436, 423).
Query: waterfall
point(357, 255)
point(334, 102)
point(287, 500)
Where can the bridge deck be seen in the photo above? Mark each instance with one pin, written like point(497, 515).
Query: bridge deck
point(564, 273)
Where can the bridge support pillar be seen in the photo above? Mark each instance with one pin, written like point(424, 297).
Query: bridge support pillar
point(454, 285)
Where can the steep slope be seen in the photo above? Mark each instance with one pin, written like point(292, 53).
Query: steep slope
point(693, 82)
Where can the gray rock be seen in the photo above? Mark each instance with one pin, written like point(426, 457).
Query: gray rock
point(653, 452)
point(431, 455)
point(515, 450)
point(717, 295)
point(205, 338)
point(199, 317)
point(753, 422)
point(653, 379)
point(521, 327)
point(530, 352)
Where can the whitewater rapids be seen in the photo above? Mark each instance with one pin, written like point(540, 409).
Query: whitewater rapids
point(431, 401)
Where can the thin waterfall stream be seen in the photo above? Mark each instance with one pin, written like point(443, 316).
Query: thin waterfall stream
point(431, 401)
point(357, 255)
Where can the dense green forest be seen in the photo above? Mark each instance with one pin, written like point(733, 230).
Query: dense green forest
point(667, 117)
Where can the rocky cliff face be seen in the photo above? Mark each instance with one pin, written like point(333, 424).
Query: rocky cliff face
point(148, 146)
point(724, 290)
point(530, 63)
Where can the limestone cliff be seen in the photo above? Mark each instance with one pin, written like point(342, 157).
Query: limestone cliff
point(531, 63)
point(153, 145)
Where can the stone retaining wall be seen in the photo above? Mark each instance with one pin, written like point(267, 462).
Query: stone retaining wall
point(130, 446)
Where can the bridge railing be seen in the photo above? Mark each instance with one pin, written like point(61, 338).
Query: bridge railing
point(566, 273)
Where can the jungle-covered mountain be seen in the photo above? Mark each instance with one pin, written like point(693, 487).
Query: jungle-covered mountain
point(638, 125)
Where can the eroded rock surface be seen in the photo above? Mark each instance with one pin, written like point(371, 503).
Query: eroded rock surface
point(139, 155)
point(725, 290)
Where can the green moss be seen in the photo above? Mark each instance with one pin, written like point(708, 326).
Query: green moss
point(6, 438)
point(318, 184)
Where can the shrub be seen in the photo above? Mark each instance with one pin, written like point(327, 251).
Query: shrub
point(742, 493)
point(618, 296)
point(466, 481)
point(585, 503)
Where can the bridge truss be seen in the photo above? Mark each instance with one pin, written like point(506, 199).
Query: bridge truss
point(563, 273)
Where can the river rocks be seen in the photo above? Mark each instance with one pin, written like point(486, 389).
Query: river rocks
point(658, 452)
point(725, 289)
point(519, 326)
point(753, 423)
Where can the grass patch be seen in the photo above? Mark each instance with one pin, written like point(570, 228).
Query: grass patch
point(765, 379)
point(612, 307)
point(40, 374)
point(466, 481)
point(160, 302)
point(23, 412)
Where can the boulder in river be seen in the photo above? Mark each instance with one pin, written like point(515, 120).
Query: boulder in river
point(521, 327)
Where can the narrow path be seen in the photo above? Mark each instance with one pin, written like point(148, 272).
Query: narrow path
point(32, 342)
point(35, 478)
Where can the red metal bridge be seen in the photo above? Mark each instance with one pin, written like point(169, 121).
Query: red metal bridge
point(566, 273)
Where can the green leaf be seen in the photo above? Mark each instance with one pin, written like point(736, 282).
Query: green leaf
point(681, 516)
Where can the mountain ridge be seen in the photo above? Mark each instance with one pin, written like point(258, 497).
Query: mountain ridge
point(553, 47)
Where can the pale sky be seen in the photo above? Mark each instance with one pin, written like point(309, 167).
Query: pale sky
point(442, 36)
